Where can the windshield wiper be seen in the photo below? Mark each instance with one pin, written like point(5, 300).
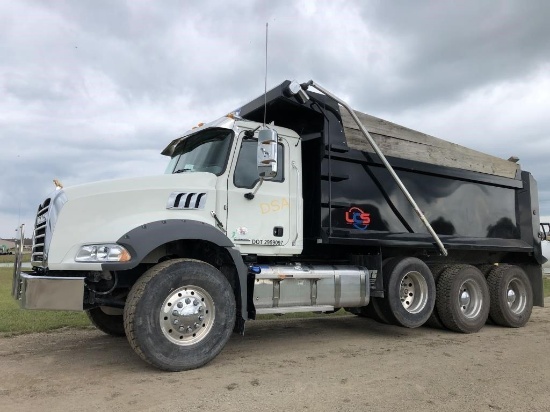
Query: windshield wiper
point(183, 170)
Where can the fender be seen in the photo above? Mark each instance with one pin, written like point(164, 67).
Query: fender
point(145, 238)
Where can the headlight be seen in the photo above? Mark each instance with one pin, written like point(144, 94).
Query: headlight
point(102, 253)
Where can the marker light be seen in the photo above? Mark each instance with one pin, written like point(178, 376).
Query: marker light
point(102, 253)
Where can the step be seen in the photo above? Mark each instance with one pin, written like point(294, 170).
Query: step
point(294, 309)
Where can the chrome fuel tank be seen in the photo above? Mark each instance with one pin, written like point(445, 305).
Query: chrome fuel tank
point(309, 288)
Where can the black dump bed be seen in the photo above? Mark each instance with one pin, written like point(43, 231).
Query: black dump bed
point(478, 204)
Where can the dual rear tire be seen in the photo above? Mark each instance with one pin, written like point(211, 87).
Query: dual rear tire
point(511, 296)
point(466, 298)
point(458, 297)
point(409, 294)
point(462, 299)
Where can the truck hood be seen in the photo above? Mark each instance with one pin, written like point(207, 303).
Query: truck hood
point(172, 182)
point(103, 212)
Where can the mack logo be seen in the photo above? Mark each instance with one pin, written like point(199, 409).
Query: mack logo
point(40, 219)
point(356, 217)
point(185, 200)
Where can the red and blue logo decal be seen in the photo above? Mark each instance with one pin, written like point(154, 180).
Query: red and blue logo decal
point(356, 217)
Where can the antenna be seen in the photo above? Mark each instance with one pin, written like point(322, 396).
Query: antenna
point(265, 80)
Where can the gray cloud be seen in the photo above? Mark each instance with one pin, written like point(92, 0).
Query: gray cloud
point(93, 90)
point(443, 50)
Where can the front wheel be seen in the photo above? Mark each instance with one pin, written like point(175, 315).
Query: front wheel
point(180, 314)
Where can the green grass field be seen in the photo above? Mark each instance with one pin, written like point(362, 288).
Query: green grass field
point(11, 258)
point(14, 321)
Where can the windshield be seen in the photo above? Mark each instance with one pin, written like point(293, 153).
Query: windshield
point(206, 151)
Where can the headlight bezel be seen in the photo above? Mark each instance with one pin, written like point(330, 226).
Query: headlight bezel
point(102, 253)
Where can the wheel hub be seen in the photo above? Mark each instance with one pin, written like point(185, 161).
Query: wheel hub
point(413, 292)
point(511, 295)
point(187, 315)
point(465, 298)
point(470, 298)
point(516, 296)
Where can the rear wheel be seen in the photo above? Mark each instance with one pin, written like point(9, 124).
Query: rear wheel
point(373, 311)
point(462, 299)
point(379, 312)
point(109, 323)
point(409, 290)
point(434, 320)
point(511, 296)
point(180, 314)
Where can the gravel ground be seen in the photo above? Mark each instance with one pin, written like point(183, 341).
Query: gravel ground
point(317, 364)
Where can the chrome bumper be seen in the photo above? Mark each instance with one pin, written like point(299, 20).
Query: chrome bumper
point(34, 291)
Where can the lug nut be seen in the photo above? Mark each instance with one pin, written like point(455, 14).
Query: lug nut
point(180, 305)
point(201, 317)
point(175, 313)
point(195, 302)
point(187, 300)
point(189, 329)
point(182, 328)
point(200, 308)
point(196, 325)
point(176, 321)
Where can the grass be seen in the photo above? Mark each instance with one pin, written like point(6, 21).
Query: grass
point(15, 321)
point(11, 258)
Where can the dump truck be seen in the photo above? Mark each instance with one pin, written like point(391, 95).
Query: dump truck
point(292, 203)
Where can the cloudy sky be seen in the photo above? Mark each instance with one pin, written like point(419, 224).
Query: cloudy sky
point(93, 90)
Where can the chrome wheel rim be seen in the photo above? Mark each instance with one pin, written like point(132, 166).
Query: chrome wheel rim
point(516, 296)
point(413, 292)
point(187, 315)
point(470, 299)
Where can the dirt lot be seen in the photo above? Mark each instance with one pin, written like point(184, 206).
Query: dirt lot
point(318, 364)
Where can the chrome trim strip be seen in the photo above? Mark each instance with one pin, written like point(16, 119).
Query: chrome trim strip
point(294, 309)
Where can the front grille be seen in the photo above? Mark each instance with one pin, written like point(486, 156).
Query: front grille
point(40, 231)
point(44, 225)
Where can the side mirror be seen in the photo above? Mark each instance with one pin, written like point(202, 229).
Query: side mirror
point(267, 153)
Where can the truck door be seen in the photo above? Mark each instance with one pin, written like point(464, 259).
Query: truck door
point(264, 221)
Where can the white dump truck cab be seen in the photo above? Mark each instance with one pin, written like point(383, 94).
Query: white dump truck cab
point(212, 192)
point(259, 212)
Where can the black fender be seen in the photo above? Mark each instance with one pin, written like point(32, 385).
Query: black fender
point(141, 240)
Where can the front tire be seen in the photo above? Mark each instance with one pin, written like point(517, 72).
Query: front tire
point(180, 314)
